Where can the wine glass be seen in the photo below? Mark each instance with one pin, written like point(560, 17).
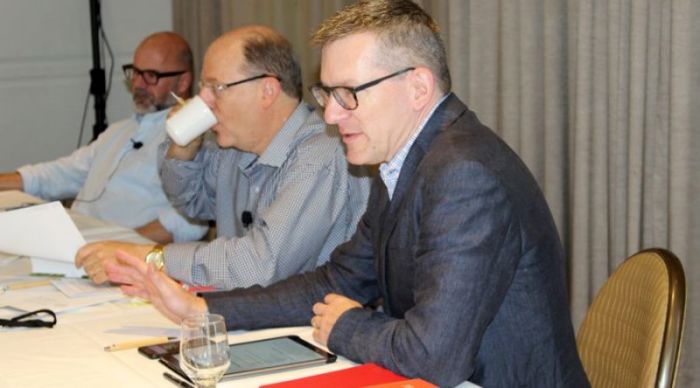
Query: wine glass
point(204, 354)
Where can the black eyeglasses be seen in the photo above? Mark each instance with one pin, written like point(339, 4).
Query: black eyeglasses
point(22, 321)
point(219, 88)
point(150, 77)
point(344, 95)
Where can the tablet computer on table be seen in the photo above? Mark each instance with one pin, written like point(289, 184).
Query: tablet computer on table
point(264, 356)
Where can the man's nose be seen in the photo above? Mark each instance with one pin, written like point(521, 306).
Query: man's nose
point(333, 113)
point(207, 95)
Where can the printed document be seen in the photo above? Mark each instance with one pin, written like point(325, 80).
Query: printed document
point(43, 231)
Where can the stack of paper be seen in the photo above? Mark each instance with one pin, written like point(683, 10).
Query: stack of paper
point(46, 234)
point(75, 294)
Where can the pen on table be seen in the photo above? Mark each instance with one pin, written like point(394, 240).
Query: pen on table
point(179, 99)
point(176, 381)
point(137, 343)
point(47, 275)
point(27, 284)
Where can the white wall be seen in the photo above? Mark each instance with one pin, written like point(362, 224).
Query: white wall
point(45, 59)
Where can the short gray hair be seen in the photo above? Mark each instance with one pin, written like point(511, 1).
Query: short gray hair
point(407, 36)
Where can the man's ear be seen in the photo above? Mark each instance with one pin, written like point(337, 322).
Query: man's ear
point(422, 84)
point(184, 84)
point(270, 89)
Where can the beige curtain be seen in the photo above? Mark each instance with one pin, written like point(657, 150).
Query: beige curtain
point(601, 98)
point(202, 21)
point(634, 122)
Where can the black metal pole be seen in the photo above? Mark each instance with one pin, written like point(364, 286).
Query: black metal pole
point(97, 74)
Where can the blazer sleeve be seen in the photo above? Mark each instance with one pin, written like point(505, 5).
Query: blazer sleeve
point(349, 272)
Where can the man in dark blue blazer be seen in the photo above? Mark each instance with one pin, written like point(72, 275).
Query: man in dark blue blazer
point(457, 244)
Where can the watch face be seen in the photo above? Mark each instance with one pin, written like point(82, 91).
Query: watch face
point(156, 257)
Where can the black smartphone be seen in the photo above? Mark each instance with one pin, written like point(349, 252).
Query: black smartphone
point(160, 350)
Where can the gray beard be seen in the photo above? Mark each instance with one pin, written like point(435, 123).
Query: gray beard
point(150, 108)
point(142, 110)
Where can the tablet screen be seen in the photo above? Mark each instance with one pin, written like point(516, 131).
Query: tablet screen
point(270, 353)
point(266, 355)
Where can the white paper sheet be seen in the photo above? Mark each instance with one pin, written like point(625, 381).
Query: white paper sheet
point(80, 288)
point(50, 266)
point(57, 302)
point(44, 231)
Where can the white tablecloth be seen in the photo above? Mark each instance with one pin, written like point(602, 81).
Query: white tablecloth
point(71, 354)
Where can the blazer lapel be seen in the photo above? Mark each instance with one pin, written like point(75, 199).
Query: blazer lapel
point(379, 246)
point(442, 118)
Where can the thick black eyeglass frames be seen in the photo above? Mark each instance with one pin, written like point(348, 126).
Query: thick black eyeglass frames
point(347, 96)
point(151, 77)
point(46, 318)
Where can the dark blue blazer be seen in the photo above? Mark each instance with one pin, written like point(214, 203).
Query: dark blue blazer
point(465, 261)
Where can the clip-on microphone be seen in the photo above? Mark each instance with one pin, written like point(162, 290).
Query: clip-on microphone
point(246, 218)
point(136, 144)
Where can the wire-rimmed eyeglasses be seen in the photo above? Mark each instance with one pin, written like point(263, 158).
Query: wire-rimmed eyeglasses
point(150, 77)
point(218, 88)
point(347, 96)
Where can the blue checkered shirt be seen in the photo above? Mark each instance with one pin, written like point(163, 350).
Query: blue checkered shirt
point(303, 199)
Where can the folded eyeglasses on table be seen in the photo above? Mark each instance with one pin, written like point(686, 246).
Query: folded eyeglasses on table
point(46, 318)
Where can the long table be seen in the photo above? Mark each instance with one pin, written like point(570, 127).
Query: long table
point(72, 353)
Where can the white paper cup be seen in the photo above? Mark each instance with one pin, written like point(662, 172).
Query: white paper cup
point(192, 120)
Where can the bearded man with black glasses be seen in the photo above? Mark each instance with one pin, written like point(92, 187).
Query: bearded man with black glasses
point(115, 178)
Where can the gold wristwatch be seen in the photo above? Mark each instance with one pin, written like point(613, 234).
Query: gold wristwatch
point(156, 256)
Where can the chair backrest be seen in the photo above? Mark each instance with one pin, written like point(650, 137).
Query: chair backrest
point(631, 335)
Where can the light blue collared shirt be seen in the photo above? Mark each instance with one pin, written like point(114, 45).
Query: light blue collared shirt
point(300, 193)
point(391, 170)
point(113, 181)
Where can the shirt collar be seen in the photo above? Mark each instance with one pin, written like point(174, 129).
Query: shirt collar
point(149, 126)
point(152, 116)
point(391, 170)
point(278, 150)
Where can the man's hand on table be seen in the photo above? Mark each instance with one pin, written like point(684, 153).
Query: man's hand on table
point(143, 280)
point(326, 314)
point(93, 256)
